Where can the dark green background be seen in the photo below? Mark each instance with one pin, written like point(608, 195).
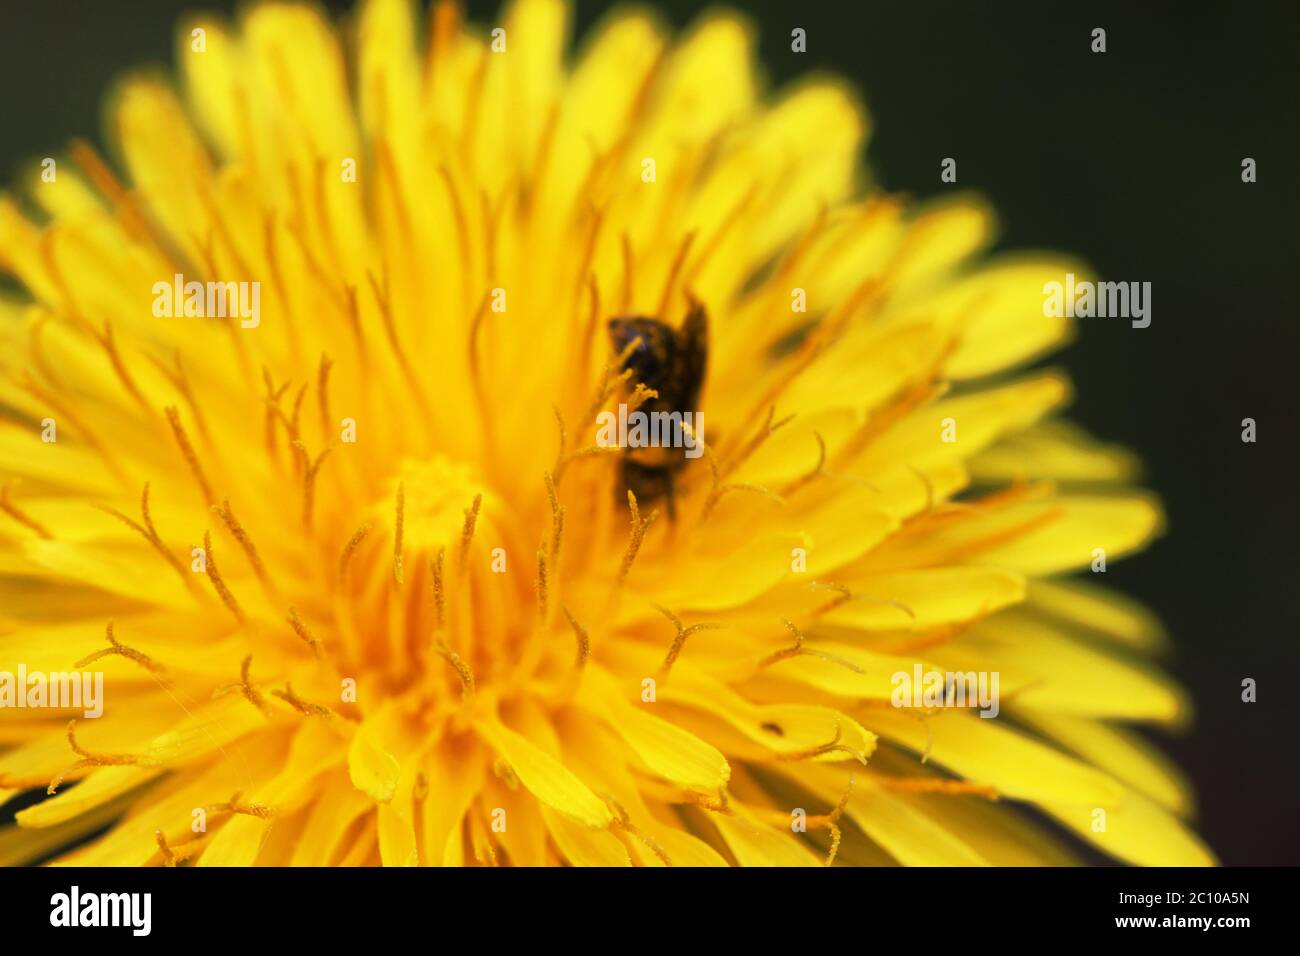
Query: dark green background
point(1130, 159)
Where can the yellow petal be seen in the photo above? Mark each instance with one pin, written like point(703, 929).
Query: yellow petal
point(1137, 831)
point(1098, 611)
point(454, 777)
point(757, 845)
point(1014, 764)
point(997, 315)
point(1080, 524)
point(373, 769)
point(1045, 665)
point(666, 749)
point(103, 785)
point(583, 846)
point(927, 597)
point(546, 777)
point(1123, 753)
point(905, 832)
point(1057, 451)
point(331, 819)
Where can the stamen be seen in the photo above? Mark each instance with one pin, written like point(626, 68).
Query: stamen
point(145, 513)
point(245, 687)
point(128, 211)
point(322, 394)
point(382, 299)
point(846, 595)
point(306, 708)
point(557, 519)
point(830, 821)
point(714, 802)
point(354, 319)
point(181, 381)
point(589, 451)
point(682, 252)
point(183, 852)
point(187, 451)
point(821, 337)
point(169, 858)
point(310, 470)
point(304, 632)
point(297, 227)
point(683, 632)
point(584, 640)
point(250, 550)
point(269, 222)
point(833, 747)
point(350, 548)
point(628, 351)
point(924, 718)
point(799, 649)
point(905, 402)
point(584, 272)
point(149, 533)
point(467, 533)
point(439, 594)
point(272, 402)
point(460, 667)
point(936, 785)
point(144, 660)
point(623, 822)
point(293, 422)
point(589, 334)
point(611, 382)
point(88, 759)
point(639, 527)
point(640, 395)
point(564, 439)
point(397, 534)
point(106, 339)
point(12, 510)
point(214, 575)
point(543, 603)
point(719, 489)
point(233, 805)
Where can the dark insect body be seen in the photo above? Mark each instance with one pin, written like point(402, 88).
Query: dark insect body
point(672, 362)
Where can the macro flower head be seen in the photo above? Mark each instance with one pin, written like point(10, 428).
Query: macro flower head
point(299, 405)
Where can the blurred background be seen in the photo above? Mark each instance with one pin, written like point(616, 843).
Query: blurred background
point(1130, 159)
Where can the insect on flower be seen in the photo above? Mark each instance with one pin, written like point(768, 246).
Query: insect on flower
point(670, 363)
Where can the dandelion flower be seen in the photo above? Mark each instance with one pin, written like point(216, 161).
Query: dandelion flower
point(364, 587)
